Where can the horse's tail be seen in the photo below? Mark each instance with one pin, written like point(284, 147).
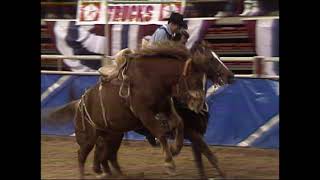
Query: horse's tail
point(60, 114)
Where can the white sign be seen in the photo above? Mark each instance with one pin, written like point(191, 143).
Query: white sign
point(93, 12)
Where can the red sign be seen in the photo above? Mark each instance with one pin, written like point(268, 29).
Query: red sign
point(89, 11)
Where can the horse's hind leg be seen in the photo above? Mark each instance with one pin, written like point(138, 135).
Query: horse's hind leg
point(86, 145)
point(198, 159)
point(101, 159)
point(82, 156)
point(106, 167)
point(107, 151)
point(115, 165)
point(98, 152)
point(113, 152)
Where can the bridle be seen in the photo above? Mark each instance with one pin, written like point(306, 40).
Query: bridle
point(218, 73)
point(188, 92)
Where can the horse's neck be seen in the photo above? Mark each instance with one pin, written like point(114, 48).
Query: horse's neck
point(166, 70)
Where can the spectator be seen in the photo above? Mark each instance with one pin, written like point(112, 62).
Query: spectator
point(251, 8)
point(230, 9)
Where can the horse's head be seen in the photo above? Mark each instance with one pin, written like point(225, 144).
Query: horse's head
point(202, 64)
point(172, 64)
point(207, 61)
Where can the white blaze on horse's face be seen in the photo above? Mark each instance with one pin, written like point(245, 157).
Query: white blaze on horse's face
point(204, 80)
point(216, 56)
point(225, 74)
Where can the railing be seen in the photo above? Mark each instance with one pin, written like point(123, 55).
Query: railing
point(79, 57)
point(258, 61)
point(258, 64)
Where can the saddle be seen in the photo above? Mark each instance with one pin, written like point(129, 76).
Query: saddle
point(111, 72)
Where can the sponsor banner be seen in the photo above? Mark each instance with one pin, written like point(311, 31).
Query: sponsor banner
point(93, 12)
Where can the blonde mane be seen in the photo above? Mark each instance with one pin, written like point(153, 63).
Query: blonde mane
point(167, 49)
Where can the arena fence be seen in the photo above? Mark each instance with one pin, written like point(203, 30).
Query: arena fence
point(258, 65)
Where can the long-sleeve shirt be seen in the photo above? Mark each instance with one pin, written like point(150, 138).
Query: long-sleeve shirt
point(160, 34)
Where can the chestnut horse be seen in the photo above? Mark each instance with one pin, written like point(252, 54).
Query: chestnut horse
point(141, 97)
point(195, 122)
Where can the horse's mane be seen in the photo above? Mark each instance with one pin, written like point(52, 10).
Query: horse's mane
point(167, 49)
point(199, 45)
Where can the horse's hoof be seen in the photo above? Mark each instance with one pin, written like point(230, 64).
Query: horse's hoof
point(171, 168)
point(171, 171)
point(97, 170)
point(102, 176)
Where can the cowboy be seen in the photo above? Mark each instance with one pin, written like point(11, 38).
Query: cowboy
point(181, 36)
point(167, 31)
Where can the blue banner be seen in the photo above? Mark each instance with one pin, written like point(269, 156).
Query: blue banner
point(242, 114)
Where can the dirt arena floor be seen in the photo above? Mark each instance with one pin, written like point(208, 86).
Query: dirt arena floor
point(141, 161)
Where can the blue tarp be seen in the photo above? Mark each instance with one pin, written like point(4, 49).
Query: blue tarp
point(236, 111)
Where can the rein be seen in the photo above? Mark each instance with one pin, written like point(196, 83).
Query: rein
point(84, 113)
point(186, 66)
point(82, 108)
point(102, 106)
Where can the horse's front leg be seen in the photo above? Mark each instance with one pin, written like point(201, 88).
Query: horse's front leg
point(179, 131)
point(196, 153)
point(168, 162)
point(197, 140)
point(158, 125)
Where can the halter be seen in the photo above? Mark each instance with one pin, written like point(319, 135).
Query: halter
point(184, 74)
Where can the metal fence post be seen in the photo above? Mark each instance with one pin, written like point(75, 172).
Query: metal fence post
point(258, 66)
